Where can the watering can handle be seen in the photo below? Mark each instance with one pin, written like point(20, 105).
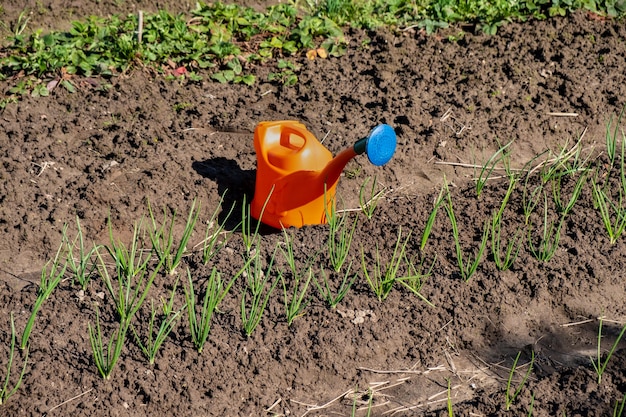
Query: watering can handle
point(286, 140)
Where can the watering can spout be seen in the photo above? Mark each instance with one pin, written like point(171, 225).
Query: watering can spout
point(379, 146)
point(297, 176)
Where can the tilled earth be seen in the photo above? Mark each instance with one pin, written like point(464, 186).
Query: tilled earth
point(102, 154)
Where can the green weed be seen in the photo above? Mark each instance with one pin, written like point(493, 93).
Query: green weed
point(340, 236)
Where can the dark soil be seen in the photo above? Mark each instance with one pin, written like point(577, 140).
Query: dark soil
point(106, 152)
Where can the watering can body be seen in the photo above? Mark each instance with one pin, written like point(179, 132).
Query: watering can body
point(290, 188)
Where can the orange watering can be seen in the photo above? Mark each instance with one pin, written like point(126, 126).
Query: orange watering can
point(297, 176)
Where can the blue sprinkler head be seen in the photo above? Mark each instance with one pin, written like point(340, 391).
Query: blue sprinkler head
point(379, 145)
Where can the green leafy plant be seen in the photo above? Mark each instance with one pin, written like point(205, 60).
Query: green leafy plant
point(162, 237)
point(10, 387)
point(286, 74)
point(234, 74)
point(600, 365)
point(156, 337)
point(83, 263)
point(510, 394)
point(106, 355)
point(51, 275)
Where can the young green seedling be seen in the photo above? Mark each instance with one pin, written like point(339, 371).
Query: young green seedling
point(298, 283)
point(212, 244)
point(106, 355)
point(369, 197)
point(333, 294)
point(162, 237)
point(501, 155)
point(51, 275)
point(598, 365)
point(511, 395)
point(8, 388)
point(256, 294)
point(467, 267)
point(83, 265)
point(340, 236)
point(431, 218)
point(169, 320)
point(550, 237)
point(130, 291)
point(384, 275)
point(129, 261)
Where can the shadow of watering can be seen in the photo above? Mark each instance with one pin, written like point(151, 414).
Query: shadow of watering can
point(297, 176)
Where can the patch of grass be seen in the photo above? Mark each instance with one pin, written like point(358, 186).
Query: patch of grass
point(228, 40)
